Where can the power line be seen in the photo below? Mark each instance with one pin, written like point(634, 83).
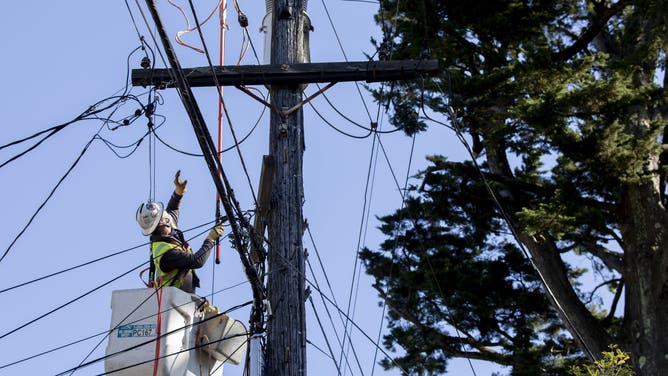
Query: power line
point(93, 261)
point(513, 230)
point(329, 347)
point(403, 203)
point(337, 129)
point(348, 318)
point(146, 23)
point(341, 312)
point(47, 199)
point(91, 111)
point(404, 197)
point(217, 172)
point(250, 132)
point(107, 332)
point(220, 97)
point(331, 291)
point(357, 86)
point(88, 114)
point(99, 359)
point(366, 199)
point(50, 351)
point(70, 302)
point(370, 129)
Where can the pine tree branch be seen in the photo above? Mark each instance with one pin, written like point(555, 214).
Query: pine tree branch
point(603, 16)
point(510, 183)
point(612, 260)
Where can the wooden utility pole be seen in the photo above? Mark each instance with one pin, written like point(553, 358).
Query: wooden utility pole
point(286, 75)
point(286, 328)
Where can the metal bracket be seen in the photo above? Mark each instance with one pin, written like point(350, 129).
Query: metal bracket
point(286, 113)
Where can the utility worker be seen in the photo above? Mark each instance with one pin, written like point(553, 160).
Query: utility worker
point(174, 260)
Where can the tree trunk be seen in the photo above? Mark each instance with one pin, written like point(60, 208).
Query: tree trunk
point(584, 327)
point(645, 271)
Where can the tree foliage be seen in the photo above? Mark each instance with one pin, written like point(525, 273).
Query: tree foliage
point(562, 111)
point(613, 363)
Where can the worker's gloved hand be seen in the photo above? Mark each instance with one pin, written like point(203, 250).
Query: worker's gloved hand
point(215, 233)
point(179, 185)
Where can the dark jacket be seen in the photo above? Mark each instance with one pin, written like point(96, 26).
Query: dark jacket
point(180, 258)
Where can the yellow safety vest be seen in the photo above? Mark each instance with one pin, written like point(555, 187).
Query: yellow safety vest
point(171, 278)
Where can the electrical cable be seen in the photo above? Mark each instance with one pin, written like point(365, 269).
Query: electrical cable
point(331, 22)
point(50, 351)
point(141, 39)
point(353, 323)
point(155, 42)
point(220, 98)
point(386, 157)
point(241, 14)
point(157, 292)
point(511, 227)
point(250, 132)
point(113, 147)
point(389, 165)
point(336, 34)
point(396, 242)
point(335, 128)
point(89, 112)
point(107, 332)
point(152, 160)
point(309, 342)
point(322, 330)
point(250, 41)
point(336, 109)
point(348, 318)
point(388, 37)
point(379, 117)
point(127, 89)
point(163, 335)
point(188, 28)
point(46, 200)
point(363, 233)
point(54, 128)
point(401, 192)
point(70, 302)
point(92, 261)
point(217, 172)
point(329, 315)
point(359, 237)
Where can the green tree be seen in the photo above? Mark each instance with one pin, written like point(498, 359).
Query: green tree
point(560, 104)
point(613, 363)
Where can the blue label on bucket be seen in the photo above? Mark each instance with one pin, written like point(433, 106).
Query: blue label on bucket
point(145, 330)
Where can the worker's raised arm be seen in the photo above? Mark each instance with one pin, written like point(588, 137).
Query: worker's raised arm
point(174, 204)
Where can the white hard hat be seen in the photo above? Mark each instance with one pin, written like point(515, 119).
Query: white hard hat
point(149, 215)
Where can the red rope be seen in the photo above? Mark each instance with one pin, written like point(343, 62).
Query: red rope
point(221, 58)
point(158, 327)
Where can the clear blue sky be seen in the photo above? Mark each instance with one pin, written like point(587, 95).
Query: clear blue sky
point(61, 57)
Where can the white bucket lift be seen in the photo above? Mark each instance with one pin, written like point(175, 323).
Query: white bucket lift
point(191, 340)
